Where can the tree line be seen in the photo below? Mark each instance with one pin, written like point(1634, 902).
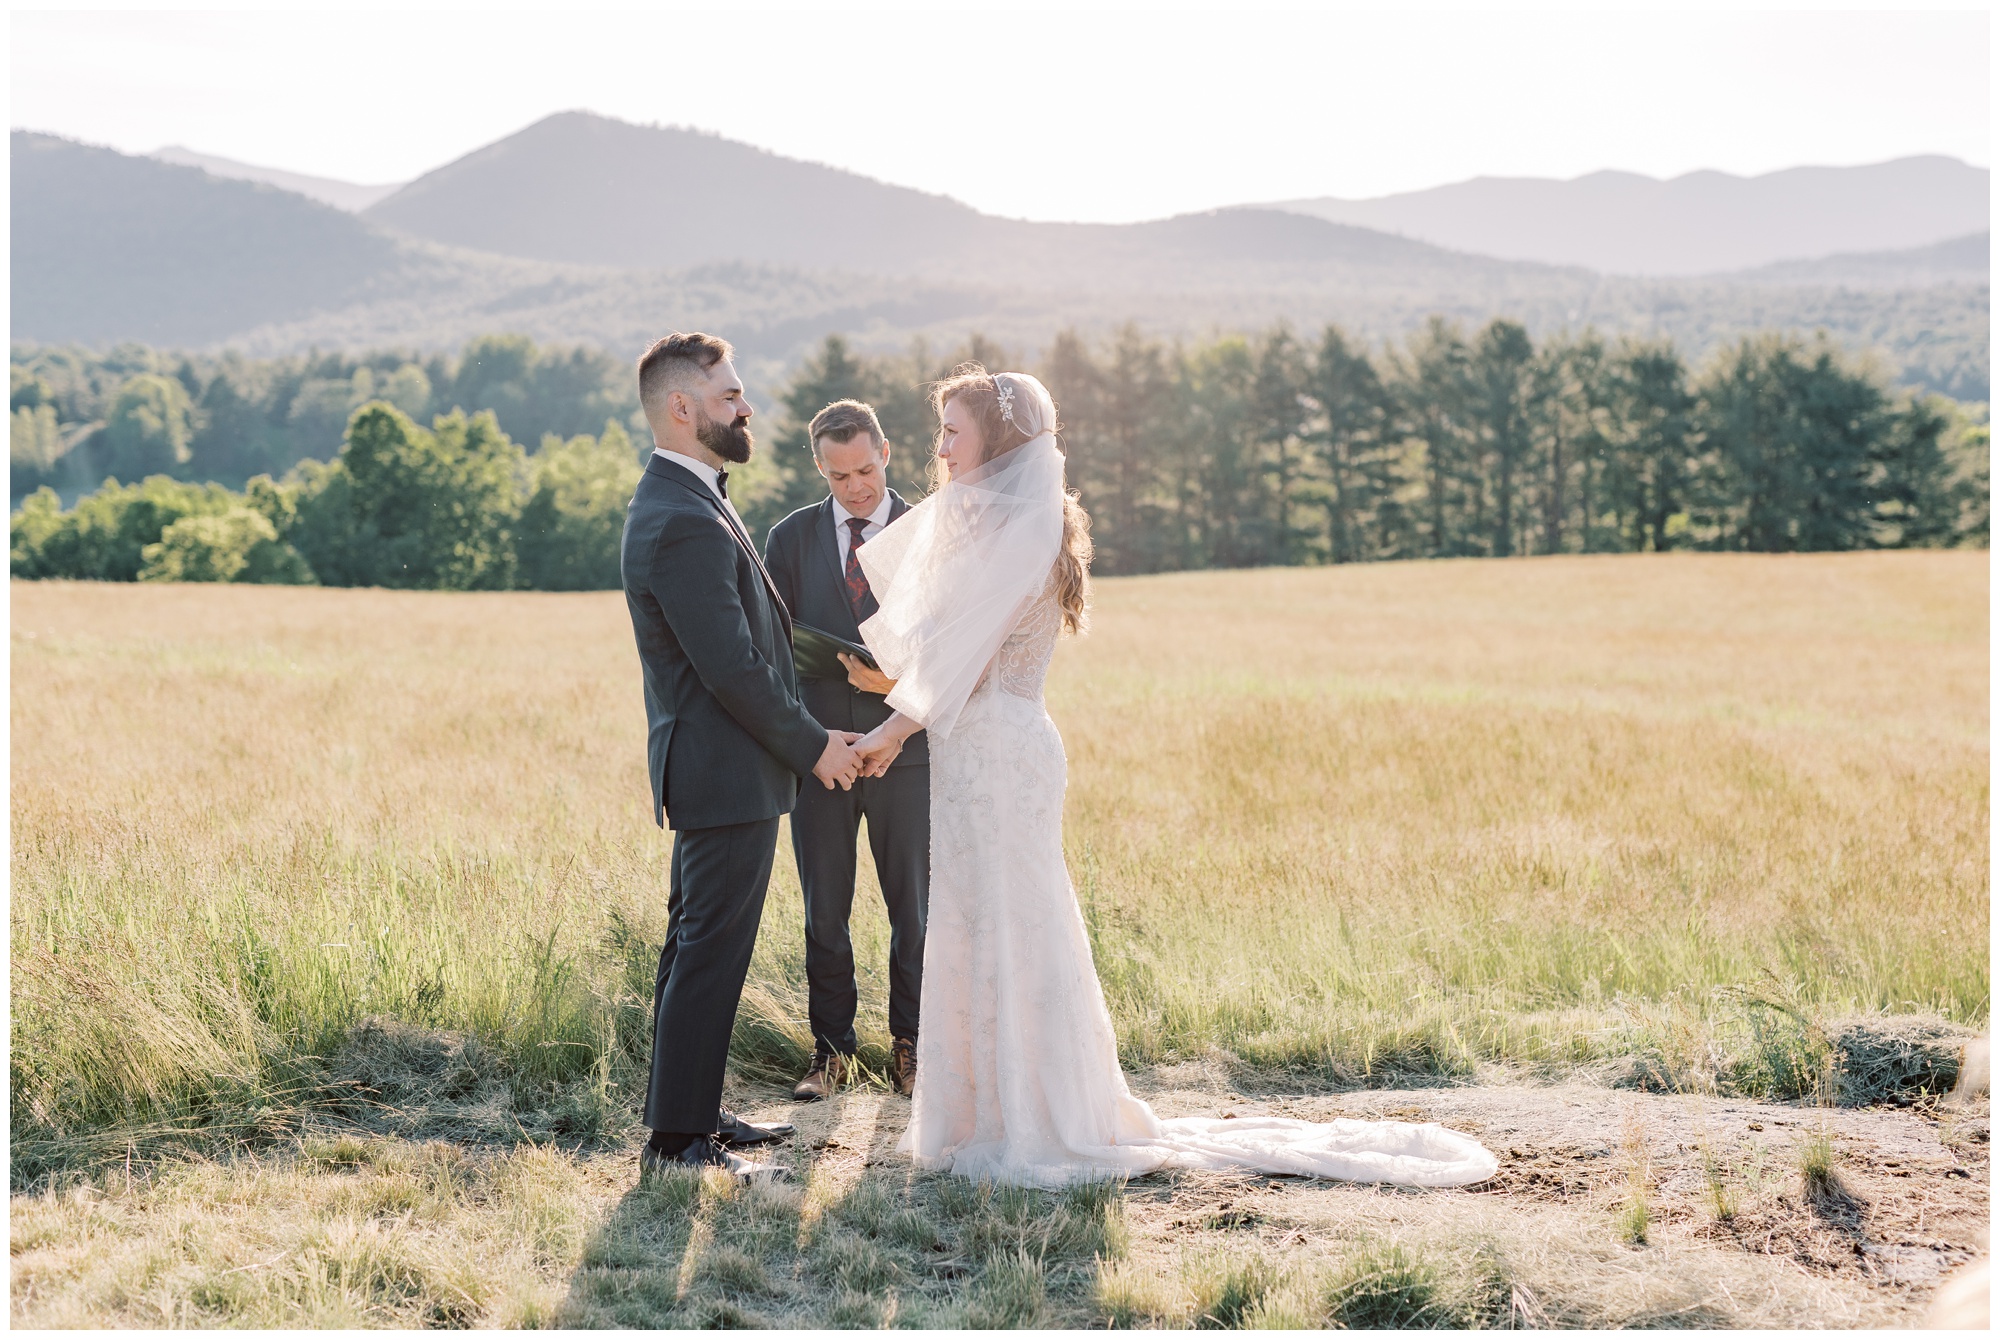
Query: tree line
point(80, 416)
point(458, 506)
point(1244, 450)
point(1274, 449)
point(1271, 450)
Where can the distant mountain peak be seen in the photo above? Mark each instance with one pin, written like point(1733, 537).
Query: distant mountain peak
point(576, 124)
point(1602, 175)
point(576, 186)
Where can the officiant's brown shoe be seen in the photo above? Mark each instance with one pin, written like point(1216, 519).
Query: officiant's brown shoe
point(829, 1071)
point(903, 1065)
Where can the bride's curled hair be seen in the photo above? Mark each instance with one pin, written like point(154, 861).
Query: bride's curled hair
point(972, 386)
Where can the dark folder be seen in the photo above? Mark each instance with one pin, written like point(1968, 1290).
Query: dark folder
point(815, 653)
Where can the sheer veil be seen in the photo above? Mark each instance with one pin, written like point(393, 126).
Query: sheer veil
point(954, 575)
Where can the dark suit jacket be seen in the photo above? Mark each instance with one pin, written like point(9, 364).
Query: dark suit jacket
point(727, 738)
point(803, 555)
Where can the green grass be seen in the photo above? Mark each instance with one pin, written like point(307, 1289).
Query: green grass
point(1721, 1197)
point(1635, 1220)
point(1233, 1292)
point(1387, 1287)
point(1816, 1166)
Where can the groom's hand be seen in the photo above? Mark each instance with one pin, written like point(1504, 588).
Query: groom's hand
point(838, 762)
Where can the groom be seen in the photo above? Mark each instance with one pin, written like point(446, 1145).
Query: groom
point(727, 738)
point(814, 557)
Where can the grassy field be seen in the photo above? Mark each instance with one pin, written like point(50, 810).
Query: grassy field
point(292, 868)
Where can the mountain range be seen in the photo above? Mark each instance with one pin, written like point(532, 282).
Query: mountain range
point(581, 228)
point(1614, 222)
point(1701, 223)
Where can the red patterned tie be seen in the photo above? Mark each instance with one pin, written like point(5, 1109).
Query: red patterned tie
point(858, 594)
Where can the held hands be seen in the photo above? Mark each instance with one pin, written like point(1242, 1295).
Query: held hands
point(839, 761)
point(849, 756)
point(863, 678)
point(878, 749)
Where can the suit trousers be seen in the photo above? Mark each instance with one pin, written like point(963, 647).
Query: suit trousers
point(715, 900)
point(825, 825)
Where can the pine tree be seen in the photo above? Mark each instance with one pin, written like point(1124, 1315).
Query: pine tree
point(1501, 373)
point(1655, 443)
point(1433, 389)
point(1280, 415)
point(1355, 446)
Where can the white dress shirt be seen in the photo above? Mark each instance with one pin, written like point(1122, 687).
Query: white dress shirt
point(706, 474)
point(702, 470)
point(844, 533)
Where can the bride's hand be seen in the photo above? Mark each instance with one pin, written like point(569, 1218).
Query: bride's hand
point(878, 750)
point(863, 678)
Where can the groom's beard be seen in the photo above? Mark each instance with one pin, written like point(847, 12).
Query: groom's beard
point(733, 443)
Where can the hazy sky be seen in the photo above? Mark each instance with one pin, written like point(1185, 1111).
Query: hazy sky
point(1101, 113)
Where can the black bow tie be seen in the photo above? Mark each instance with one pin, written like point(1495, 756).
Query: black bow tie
point(722, 484)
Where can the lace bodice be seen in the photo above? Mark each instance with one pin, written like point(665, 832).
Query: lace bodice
point(1021, 666)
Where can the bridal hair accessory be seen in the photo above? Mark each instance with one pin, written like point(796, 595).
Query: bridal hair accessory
point(1025, 403)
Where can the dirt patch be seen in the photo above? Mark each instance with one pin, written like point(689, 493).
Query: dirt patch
point(1733, 1237)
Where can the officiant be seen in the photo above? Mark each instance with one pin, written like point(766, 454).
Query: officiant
point(812, 558)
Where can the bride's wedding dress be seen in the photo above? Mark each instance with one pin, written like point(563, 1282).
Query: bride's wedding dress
point(1018, 1078)
point(1017, 1064)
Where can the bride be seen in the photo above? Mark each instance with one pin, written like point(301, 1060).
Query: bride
point(1018, 1078)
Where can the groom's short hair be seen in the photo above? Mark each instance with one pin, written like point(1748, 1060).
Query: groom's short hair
point(678, 363)
point(843, 421)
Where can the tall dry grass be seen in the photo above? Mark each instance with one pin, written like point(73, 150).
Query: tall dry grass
point(1339, 824)
point(1493, 809)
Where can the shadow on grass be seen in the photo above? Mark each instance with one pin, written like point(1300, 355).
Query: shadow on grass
point(389, 1078)
point(853, 1237)
point(630, 1274)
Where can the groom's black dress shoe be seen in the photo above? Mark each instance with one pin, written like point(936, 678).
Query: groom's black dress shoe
point(736, 1132)
point(706, 1152)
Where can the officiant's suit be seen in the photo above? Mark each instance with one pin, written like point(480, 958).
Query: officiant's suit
point(810, 566)
point(727, 743)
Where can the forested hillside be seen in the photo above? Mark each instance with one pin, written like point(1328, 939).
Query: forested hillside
point(1958, 260)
